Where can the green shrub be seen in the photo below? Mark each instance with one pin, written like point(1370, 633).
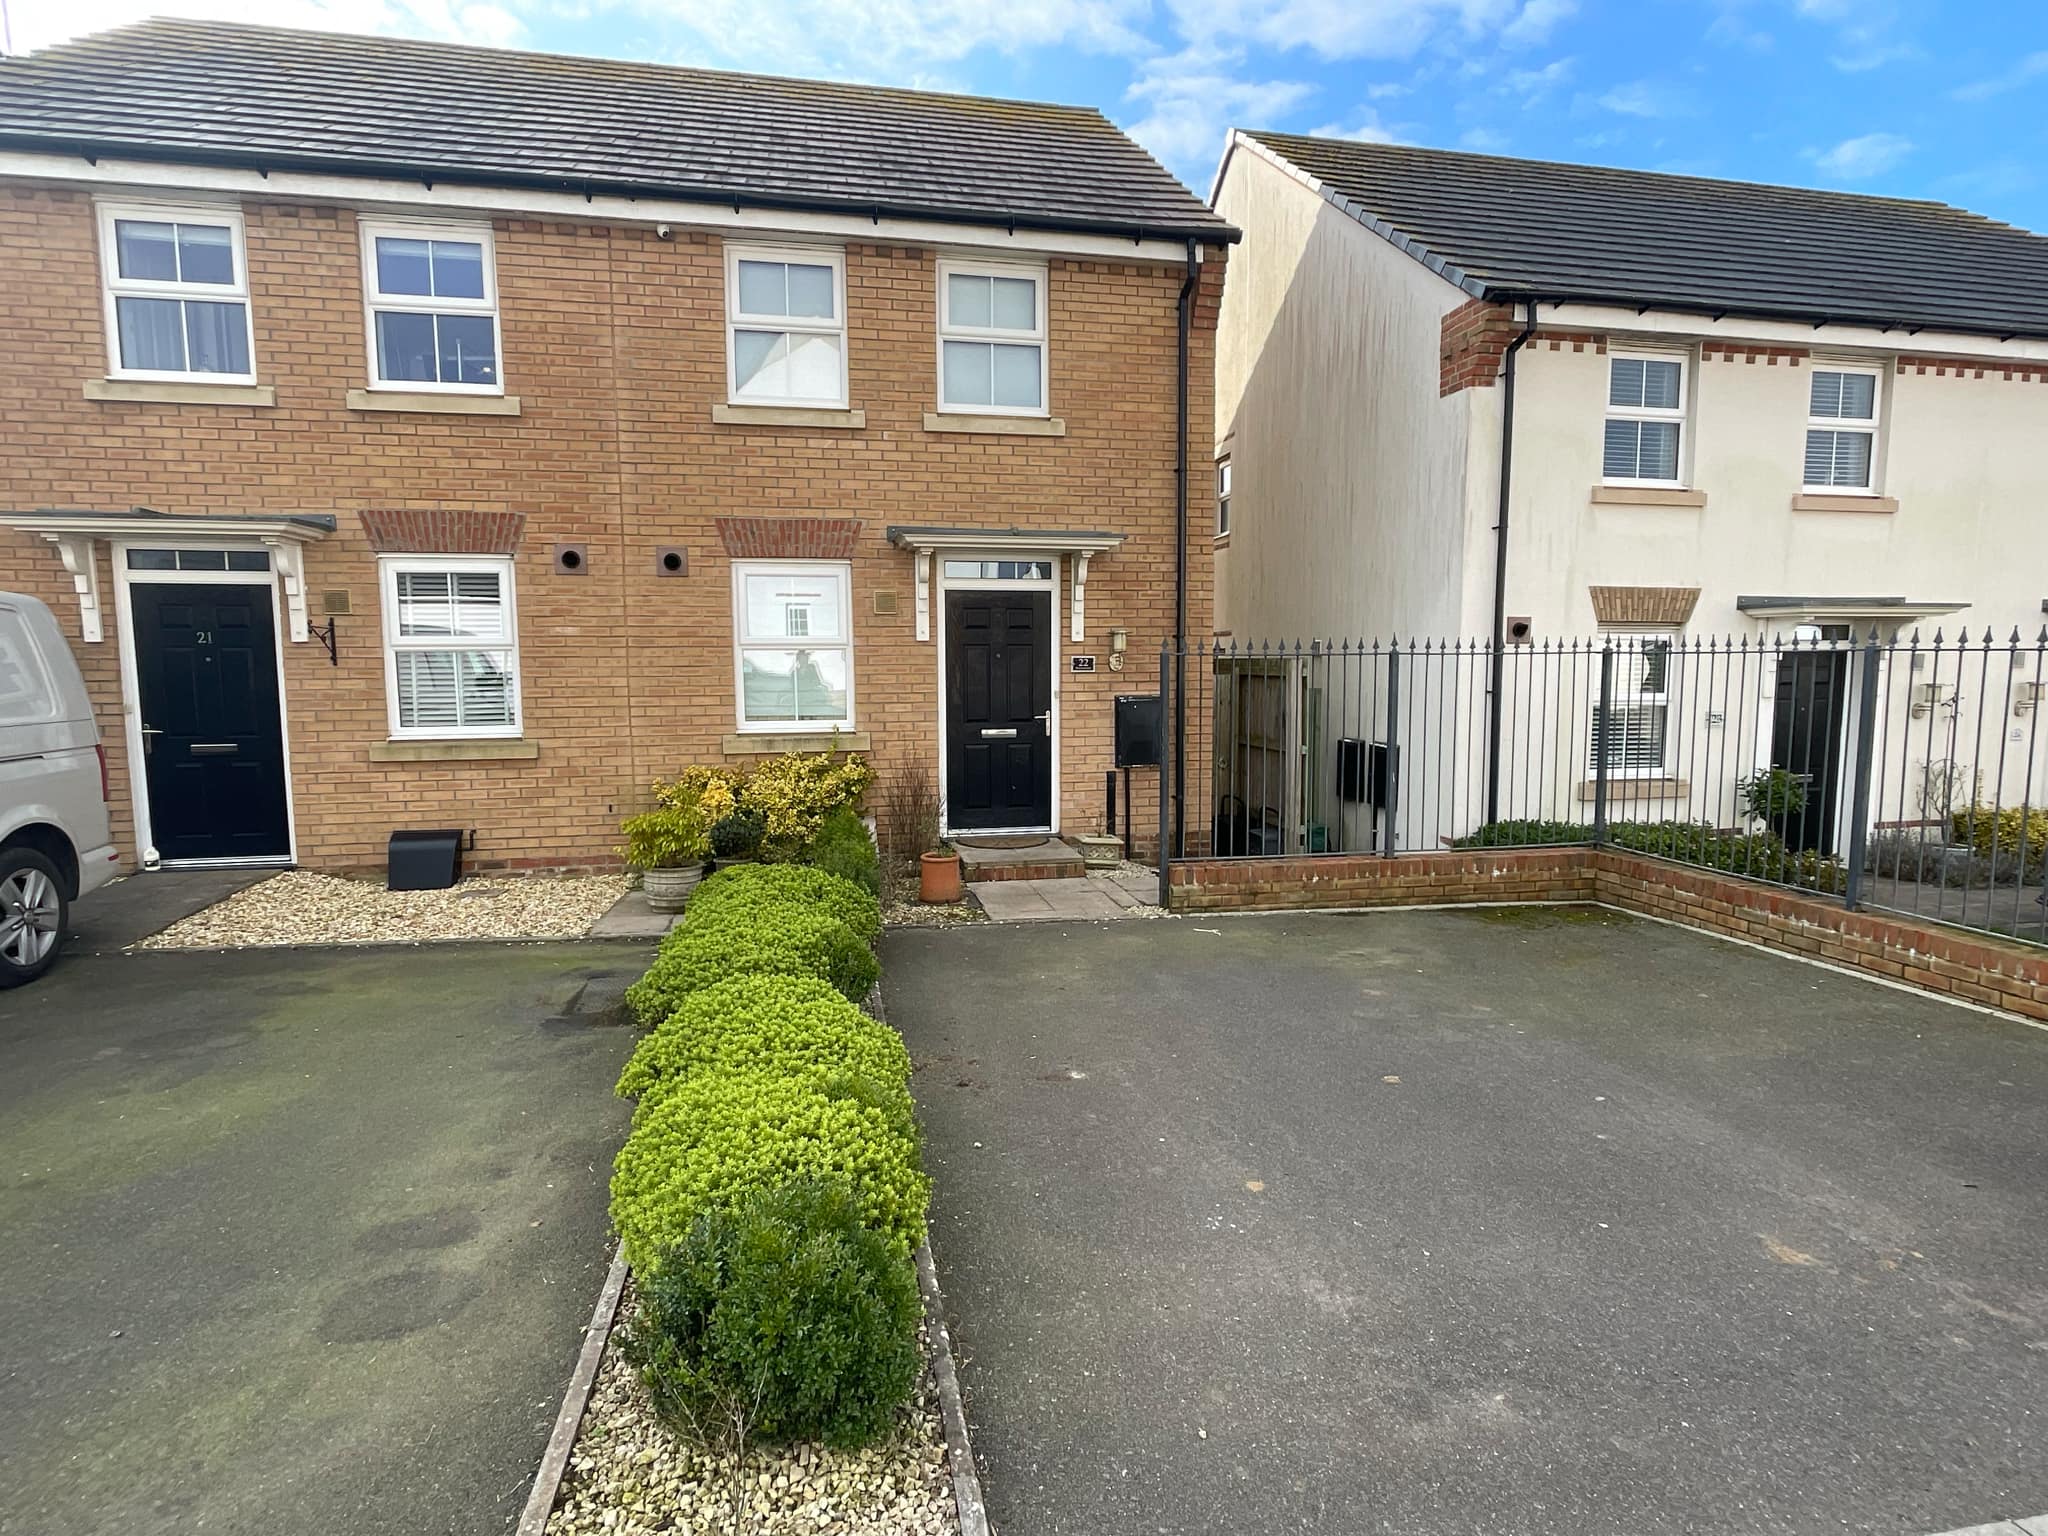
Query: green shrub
point(843, 847)
point(667, 837)
point(773, 940)
point(751, 886)
point(2011, 834)
point(795, 1025)
point(795, 792)
point(783, 1315)
point(715, 1138)
point(1760, 855)
point(738, 835)
point(1525, 834)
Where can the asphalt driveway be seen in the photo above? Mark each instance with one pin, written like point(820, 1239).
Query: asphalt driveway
point(298, 1240)
point(1522, 1222)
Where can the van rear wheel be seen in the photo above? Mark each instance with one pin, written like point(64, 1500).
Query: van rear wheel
point(32, 915)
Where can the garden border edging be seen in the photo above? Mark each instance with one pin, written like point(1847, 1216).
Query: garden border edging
point(554, 1462)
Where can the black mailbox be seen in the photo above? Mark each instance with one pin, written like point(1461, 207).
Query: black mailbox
point(423, 861)
point(1362, 772)
point(1138, 730)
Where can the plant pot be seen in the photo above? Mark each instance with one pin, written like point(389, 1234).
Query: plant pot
point(668, 890)
point(1100, 852)
point(938, 877)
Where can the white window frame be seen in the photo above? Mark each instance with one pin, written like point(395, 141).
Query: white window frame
point(737, 320)
point(114, 287)
point(1678, 416)
point(1873, 426)
point(388, 569)
point(841, 571)
point(1224, 476)
point(1635, 640)
point(376, 302)
point(1039, 336)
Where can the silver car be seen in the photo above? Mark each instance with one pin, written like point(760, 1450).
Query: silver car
point(55, 840)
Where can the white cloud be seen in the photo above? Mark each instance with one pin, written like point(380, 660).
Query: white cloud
point(1368, 130)
point(1340, 29)
point(1533, 83)
point(1857, 159)
point(1645, 98)
point(39, 23)
point(1534, 22)
point(1997, 85)
point(1387, 90)
point(1483, 140)
point(1191, 98)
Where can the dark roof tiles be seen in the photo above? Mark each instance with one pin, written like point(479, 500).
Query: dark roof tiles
point(1529, 228)
point(265, 96)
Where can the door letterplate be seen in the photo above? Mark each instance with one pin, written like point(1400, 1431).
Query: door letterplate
point(1007, 730)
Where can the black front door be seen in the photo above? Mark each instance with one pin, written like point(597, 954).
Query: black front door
point(998, 709)
point(213, 741)
point(1806, 740)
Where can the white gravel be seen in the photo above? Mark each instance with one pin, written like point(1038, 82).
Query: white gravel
point(629, 1476)
point(299, 907)
point(920, 914)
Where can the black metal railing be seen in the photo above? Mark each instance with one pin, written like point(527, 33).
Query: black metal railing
point(1901, 773)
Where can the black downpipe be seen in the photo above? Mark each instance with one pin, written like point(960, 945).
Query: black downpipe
point(1180, 564)
point(1498, 667)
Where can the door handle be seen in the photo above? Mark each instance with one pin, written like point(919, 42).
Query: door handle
point(149, 735)
point(1007, 730)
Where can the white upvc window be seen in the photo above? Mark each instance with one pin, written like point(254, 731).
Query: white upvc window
point(177, 293)
point(992, 339)
point(451, 646)
point(1639, 726)
point(1644, 439)
point(431, 291)
point(785, 326)
point(793, 644)
point(1841, 428)
point(1223, 496)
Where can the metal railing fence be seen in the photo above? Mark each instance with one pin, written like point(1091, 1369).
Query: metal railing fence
point(1902, 773)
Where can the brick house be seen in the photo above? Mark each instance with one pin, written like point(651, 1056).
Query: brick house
point(514, 430)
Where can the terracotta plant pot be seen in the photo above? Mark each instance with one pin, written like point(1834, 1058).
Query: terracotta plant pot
point(668, 890)
point(938, 877)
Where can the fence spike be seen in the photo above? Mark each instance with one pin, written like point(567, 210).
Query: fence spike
point(2015, 635)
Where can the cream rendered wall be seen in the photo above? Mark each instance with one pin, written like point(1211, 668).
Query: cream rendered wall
point(1961, 456)
point(1348, 468)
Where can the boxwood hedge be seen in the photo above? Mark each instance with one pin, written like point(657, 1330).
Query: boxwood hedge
point(778, 940)
point(750, 887)
point(796, 1025)
point(713, 1139)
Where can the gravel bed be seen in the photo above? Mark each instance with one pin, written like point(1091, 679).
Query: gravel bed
point(629, 1476)
point(299, 907)
point(918, 914)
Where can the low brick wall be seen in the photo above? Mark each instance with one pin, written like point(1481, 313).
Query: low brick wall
point(1949, 961)
point(1414, 879)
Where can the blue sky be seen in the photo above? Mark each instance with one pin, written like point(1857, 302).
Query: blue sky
point(1910, 98)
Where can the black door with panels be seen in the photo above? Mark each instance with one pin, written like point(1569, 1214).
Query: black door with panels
point(212, 738)
point(1806, 741)
point(998, 709)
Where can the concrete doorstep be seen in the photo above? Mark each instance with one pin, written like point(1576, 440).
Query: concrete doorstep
point(1097, 898)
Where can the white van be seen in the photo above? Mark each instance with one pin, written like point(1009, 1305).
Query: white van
point(55, 841)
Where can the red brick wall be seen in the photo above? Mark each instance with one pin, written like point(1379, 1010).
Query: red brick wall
point(1475, 338)
point(614, 342)
point(1947, 961)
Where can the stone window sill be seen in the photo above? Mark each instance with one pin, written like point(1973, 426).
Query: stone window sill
point(1001, 426)
point(1646, 496)
point(1815, 501)
point(487, 750)
point(774, 744)
point(169, 392)
point(787, 416)
point(1637, 789)
point(433, 404)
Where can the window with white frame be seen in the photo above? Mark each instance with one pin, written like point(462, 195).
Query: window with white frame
point(792, 623)
point(1645, 420)
point(1223, 496)
point(992, 354)
point(785, 326)
point(451, 646)
point(1639, 723)
point(177, 293)
point(1841, 429)
point(432, 292)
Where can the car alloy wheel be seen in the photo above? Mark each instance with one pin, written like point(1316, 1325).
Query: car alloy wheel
point(31, 917)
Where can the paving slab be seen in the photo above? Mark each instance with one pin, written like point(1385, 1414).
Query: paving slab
point(1094, 899)
point(299, 1240)
point(1550, 1221)
point(632, 918)
point(134, 907)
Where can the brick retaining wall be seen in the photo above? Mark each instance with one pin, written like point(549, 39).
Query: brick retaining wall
point(1948, 961)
